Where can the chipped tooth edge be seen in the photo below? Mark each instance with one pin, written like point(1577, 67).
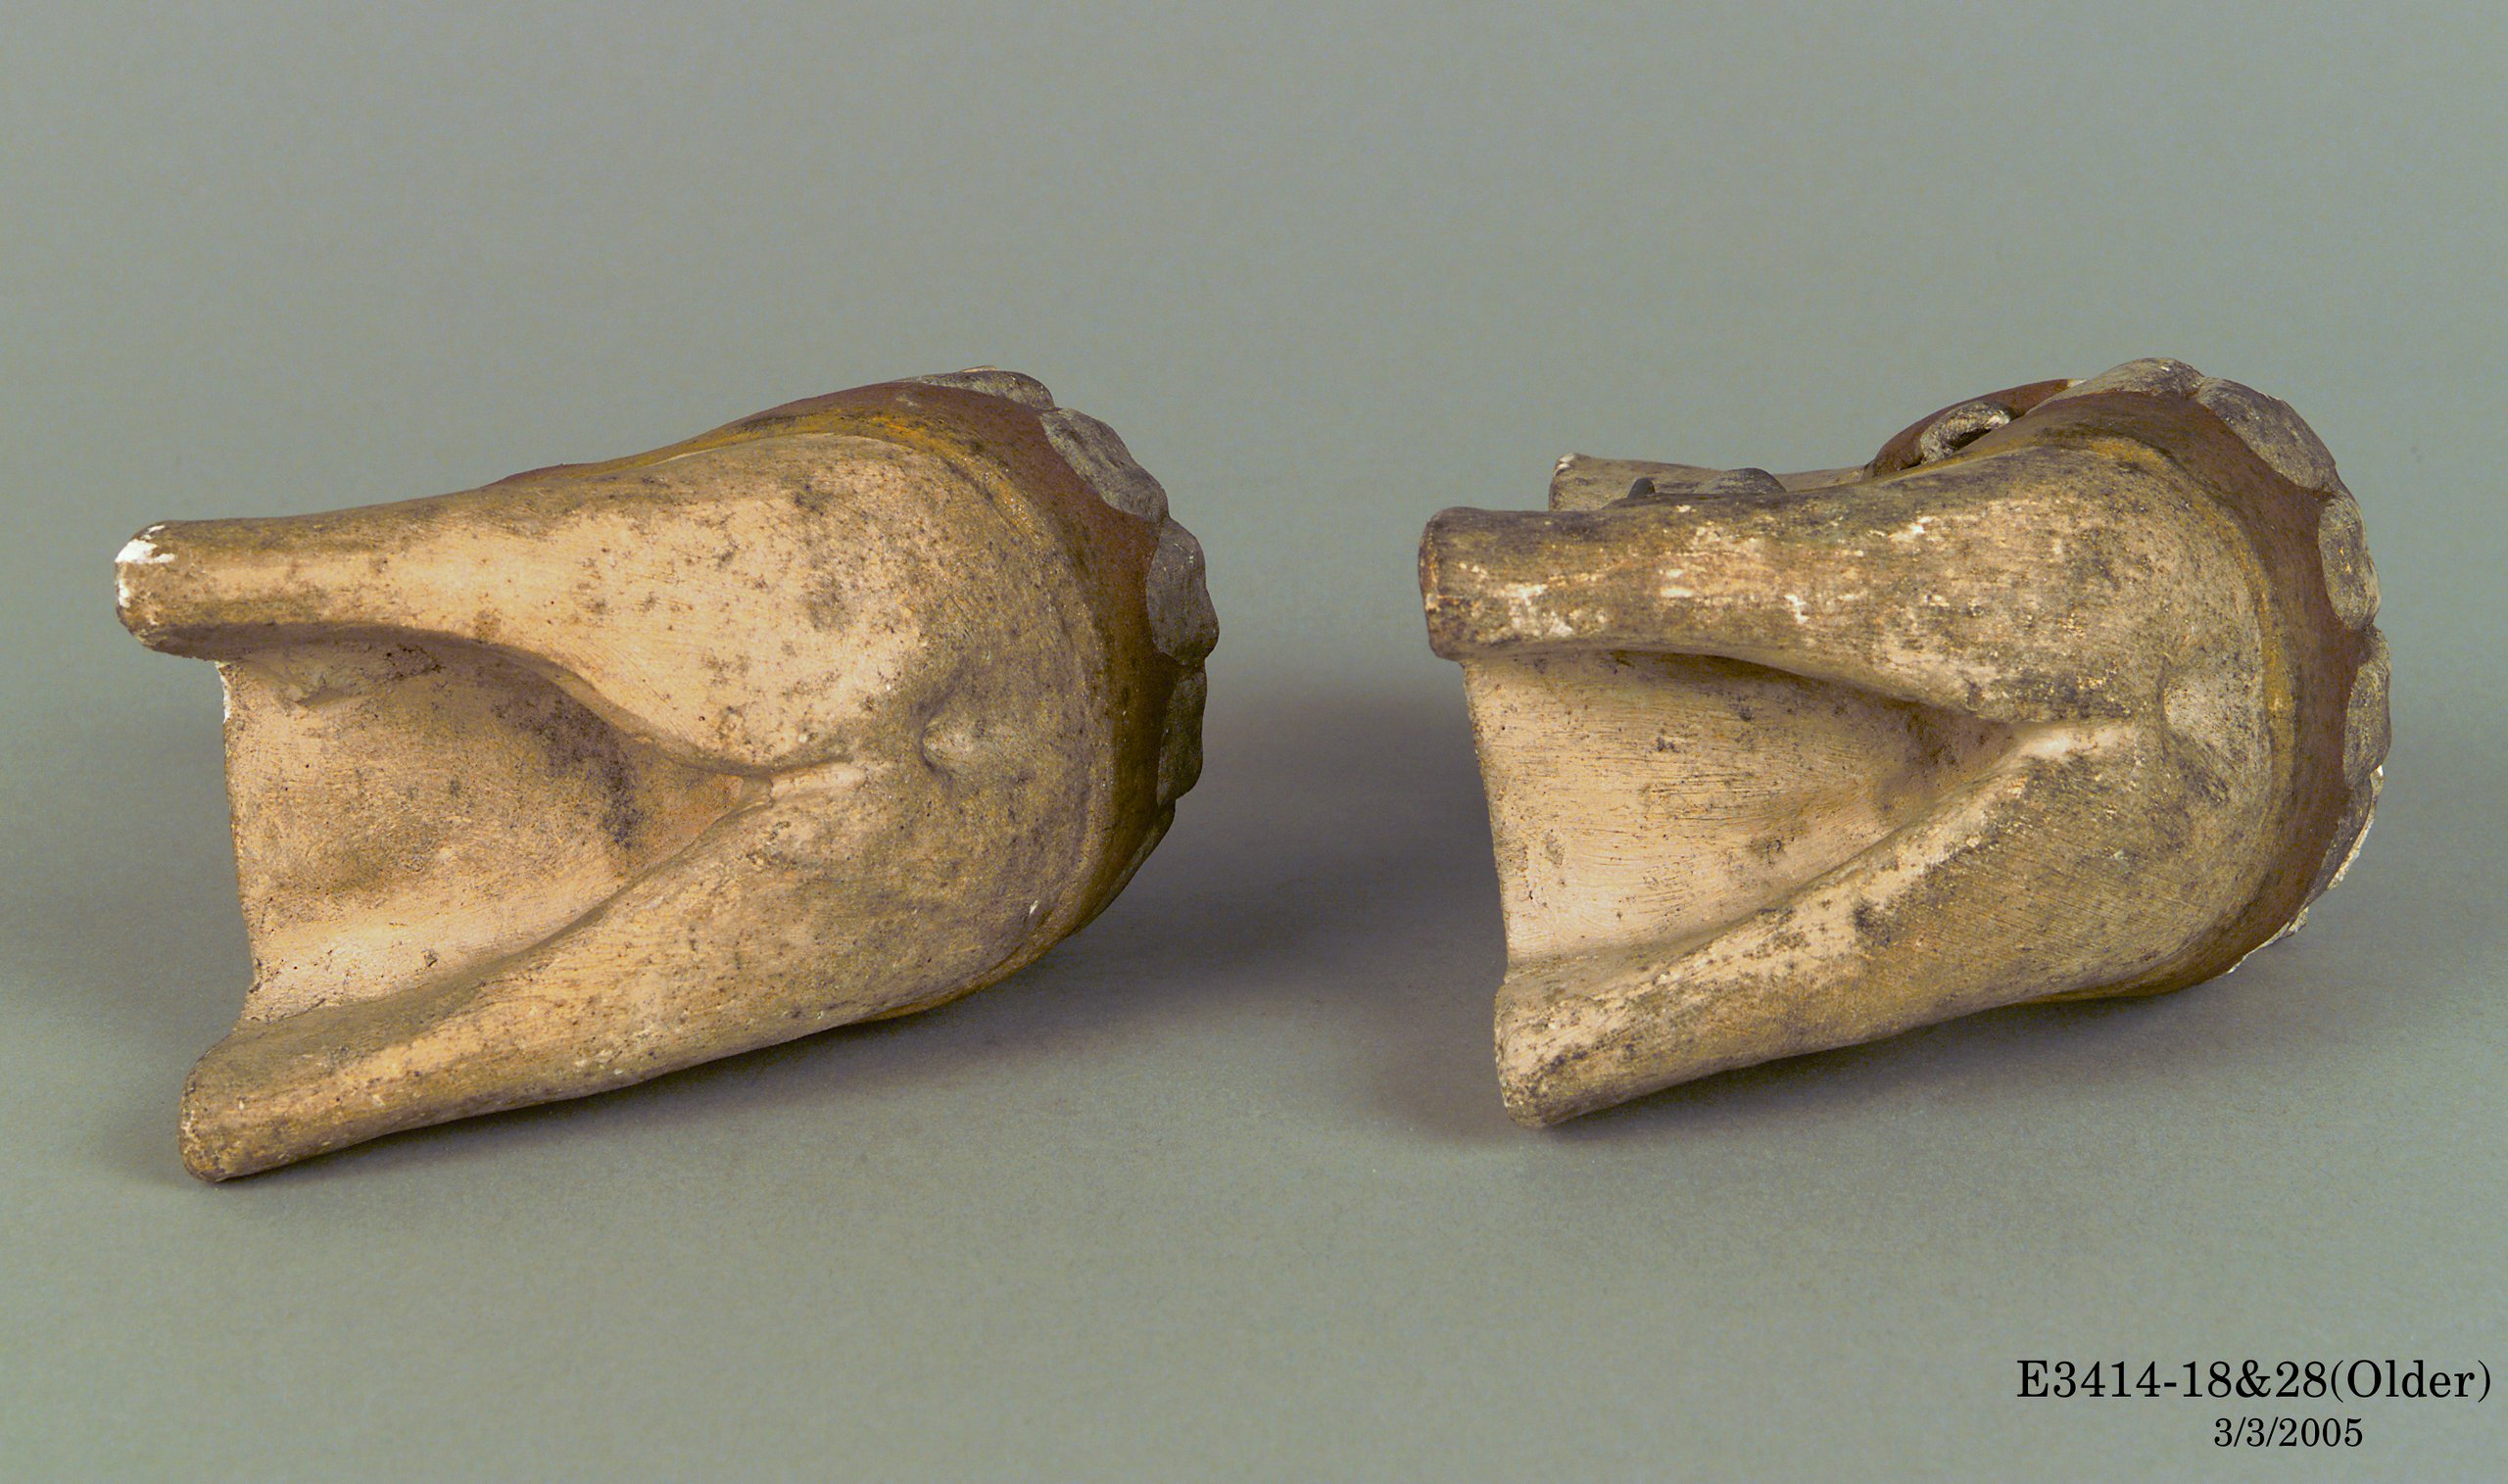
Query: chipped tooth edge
point(142, 550)
point(2368, 823)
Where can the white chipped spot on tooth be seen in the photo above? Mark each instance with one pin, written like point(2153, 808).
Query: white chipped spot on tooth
point(1794, 600)
point(142, 550)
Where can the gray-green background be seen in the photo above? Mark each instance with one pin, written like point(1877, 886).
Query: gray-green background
point(1220, 1188)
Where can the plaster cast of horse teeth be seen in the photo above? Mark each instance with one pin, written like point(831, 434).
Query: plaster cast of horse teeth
point(2071, 691)
point(836, 712)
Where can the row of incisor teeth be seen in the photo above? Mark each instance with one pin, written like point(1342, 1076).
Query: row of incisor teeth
point(1182, 625)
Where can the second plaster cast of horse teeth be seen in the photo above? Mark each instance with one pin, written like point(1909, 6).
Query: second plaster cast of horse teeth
point(2071, 691)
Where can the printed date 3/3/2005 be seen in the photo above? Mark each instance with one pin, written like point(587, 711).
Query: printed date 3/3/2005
point(2286, 1432)
point(2363, 1379)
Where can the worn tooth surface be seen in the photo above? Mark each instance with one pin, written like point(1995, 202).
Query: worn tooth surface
point(2152, 376)
point(2342, 545)
point(2365, 727)
point(1094, 450)
point(1181, 622)
point(2268, 425)
point(994, 381)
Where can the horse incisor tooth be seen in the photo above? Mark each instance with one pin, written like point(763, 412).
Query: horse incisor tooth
point(2069, 692)
point(836, 712)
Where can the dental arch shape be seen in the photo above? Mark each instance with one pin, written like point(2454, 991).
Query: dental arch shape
point(2072, 690)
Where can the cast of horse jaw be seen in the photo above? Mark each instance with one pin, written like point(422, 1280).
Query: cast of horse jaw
point(840, 711)
point(2072, 690)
